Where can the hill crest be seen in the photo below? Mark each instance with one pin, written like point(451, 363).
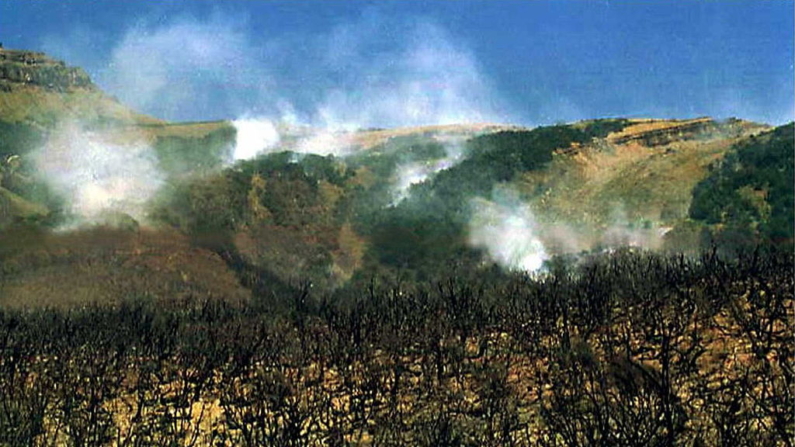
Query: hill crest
point(42, 91)
point(19, 68)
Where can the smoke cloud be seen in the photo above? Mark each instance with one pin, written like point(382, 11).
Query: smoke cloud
point(506, 229)
point(624, 232)
point(189, 70)
point(375, 71)
point(98, 177)
point(426, 78)
point(254, 136)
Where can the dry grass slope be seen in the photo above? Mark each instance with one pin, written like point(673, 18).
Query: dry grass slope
point(104, 266)
point(645, 173)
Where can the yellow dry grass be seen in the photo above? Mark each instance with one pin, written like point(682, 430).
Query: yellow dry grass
point(367, 139)
point(184, 130)
point(37, 105)
point(598, 184)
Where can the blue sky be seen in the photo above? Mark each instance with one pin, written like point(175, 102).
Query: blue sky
point(358, 63)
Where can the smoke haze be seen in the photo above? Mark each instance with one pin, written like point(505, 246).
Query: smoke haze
point(410, 174)
point(212, 69)
point(425, 79)
point(591, 62)
point(374, 71)
point(188, 68)
point(96, 176)
point(506, 229)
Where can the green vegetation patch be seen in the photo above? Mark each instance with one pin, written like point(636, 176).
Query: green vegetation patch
point(748, 197)
point(179, 156)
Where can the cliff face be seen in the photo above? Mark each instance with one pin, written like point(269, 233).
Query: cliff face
point(25, 68)
point(40, 91)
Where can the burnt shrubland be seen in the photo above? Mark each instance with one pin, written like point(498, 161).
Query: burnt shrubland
point(625, 348)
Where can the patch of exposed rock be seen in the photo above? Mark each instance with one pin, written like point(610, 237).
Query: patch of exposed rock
point(20, 68)
point(661, 132)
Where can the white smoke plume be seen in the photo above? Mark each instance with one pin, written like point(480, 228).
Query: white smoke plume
point(623, 232)
point(254, 136)
point(257, 136)
point(375, 71)
point(325, 142)
point(97, 177)
point(372, 72)
point(507, 232)
point(615, 231)
point(189, 69)
point(424, 77)
point(415, 173)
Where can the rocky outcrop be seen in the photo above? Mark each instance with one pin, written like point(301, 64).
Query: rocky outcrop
point(25, 68)
point(661, 132)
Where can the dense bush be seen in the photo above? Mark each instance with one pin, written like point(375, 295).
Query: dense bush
point(748, 197)
point(284, 212)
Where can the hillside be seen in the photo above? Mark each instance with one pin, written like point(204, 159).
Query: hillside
point(747, 198)
point(104, 265)
point(37, 94)
point(41, 101)
point(413, 202)
point(332, 207)
point(635, 184)
point(38, 90)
